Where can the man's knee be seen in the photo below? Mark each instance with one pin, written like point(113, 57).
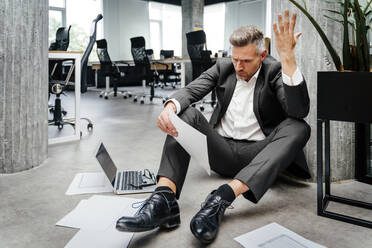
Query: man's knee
point(298, 129)
point(190, 115)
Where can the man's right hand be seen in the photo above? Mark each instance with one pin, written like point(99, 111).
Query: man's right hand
point(164, 122)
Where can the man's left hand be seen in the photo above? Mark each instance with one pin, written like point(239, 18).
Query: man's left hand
point(285, 41)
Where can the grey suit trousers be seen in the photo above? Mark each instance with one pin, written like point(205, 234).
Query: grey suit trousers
point(255, 163)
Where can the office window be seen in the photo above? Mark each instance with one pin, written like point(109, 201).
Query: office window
point(57, 17)
point(214, 26)
point(165, 28)
point(78, 14)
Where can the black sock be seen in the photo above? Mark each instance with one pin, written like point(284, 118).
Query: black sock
point(226, 193)
point(169, 194)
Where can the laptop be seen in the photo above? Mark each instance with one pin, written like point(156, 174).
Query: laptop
point(124, 182)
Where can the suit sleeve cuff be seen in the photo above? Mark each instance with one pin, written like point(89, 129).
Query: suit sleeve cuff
point(177, 103)
point(297, 78)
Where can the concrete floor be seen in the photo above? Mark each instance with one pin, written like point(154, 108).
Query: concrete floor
point(30, 209)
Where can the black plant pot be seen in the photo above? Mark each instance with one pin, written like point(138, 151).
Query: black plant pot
point(347, 96)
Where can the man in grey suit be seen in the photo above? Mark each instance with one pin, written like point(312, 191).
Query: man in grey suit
point(256, 130)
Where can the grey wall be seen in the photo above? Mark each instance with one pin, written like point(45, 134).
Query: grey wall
point(312, 56)
point(192, 19)
point(123, 20)
point(23, 84)
point(241, 13)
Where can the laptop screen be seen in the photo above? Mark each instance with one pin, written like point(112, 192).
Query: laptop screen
point(106, 163)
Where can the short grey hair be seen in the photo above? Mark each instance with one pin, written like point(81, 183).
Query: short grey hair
point(248, 35)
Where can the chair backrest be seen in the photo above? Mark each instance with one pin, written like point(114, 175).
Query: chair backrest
point(166, 54)
point(140, 57)
point(103, 56)
point(62, 39)
point(200, 58)
point(84, 58)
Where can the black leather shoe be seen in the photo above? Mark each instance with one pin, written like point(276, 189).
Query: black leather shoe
point(205, 223)
point(156, 211)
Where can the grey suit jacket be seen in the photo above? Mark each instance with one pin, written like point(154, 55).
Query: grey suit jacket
point(273, 100)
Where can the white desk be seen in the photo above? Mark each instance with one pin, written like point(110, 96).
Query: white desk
point(96, 66)
point(76, 56)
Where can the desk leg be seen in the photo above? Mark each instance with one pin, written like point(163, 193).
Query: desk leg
point(96, 78)
point(183, 75)
point(320, 166)
point(77, 98)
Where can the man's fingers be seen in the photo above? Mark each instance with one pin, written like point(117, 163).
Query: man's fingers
point(286, 20)
point(297, 36)
point(166, 125)
point(293, 22)
point(280, 23)
point(276, 31)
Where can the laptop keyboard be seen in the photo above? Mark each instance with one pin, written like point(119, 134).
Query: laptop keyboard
point(130, 180)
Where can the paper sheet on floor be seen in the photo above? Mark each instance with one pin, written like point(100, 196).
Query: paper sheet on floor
point(96, 217)
point(275, 236)
point(98, 212)
point(193, 141)
point(89, 183)
point(110, 238)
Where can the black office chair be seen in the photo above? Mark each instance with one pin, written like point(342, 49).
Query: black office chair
point(170, 76)
point(143, 68)
point(200, 60)
point(57, 87)
point(56, 82)
point(110, 70)
point(62, 39)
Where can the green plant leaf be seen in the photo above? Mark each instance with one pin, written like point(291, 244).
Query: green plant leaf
point(346, 53)
point(333, 19)
point(367, 6)
point(333, 1)
point(336, 59)
point(334, 12)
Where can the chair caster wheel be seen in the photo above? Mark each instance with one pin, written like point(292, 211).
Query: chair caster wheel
point(202, 109)
point(106, 97)
point(135, 100)
point(90, 127)
point(164, 100)
point(142, 102)
point(115, 94)
point(100, 96)
point(60, 126)
point(125, 97)
point(51, 111)
point(129, 95)
point(64, 112)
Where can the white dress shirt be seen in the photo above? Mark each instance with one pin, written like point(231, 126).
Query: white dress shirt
point(239, 121)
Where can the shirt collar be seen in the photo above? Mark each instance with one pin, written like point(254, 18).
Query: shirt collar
point(255, 76)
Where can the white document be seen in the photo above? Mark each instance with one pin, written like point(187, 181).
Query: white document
point(99, 212)
point(275, 236)
point(88, 183)
point(193, 141)
point(110, 238)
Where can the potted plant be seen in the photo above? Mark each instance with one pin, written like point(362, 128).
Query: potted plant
point(356, 20)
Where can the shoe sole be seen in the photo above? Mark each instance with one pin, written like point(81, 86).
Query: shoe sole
point(169, 223)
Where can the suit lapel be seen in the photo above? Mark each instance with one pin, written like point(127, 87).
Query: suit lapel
point(229, 87)
point(256, 95)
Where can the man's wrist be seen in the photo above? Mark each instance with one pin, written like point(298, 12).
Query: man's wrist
point(171, 105)
point(288, 62)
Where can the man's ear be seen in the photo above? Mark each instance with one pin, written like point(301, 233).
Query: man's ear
point(263, 55)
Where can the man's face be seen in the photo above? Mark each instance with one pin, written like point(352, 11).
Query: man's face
point(246, 61)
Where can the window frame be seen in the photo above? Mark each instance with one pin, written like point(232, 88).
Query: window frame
point(62, 10)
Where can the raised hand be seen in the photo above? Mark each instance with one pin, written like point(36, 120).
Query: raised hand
point(286, 41)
